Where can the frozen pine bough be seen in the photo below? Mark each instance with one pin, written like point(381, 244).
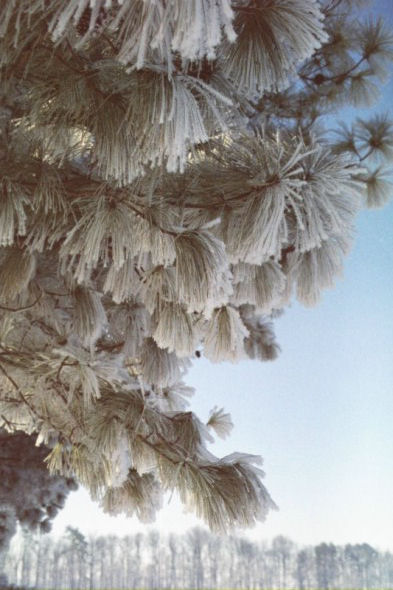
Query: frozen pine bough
point(166, 189)
point(29, 494)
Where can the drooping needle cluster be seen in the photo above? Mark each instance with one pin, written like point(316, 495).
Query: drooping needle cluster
point(156, 205)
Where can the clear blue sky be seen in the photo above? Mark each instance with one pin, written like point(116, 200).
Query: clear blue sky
point(321, 415)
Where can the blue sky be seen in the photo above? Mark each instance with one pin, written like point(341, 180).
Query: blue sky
point(321, 415)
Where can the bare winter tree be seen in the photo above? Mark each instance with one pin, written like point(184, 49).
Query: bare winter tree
point(240, 563)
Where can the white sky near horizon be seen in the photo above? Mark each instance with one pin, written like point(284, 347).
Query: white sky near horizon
point(321, 415)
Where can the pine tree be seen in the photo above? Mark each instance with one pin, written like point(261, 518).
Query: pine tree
point(28, 492)
point(166, 188)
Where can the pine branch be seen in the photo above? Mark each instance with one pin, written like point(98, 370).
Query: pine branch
point(15, 309)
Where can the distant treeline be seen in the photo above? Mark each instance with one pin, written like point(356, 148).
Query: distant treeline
point(196, 559)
